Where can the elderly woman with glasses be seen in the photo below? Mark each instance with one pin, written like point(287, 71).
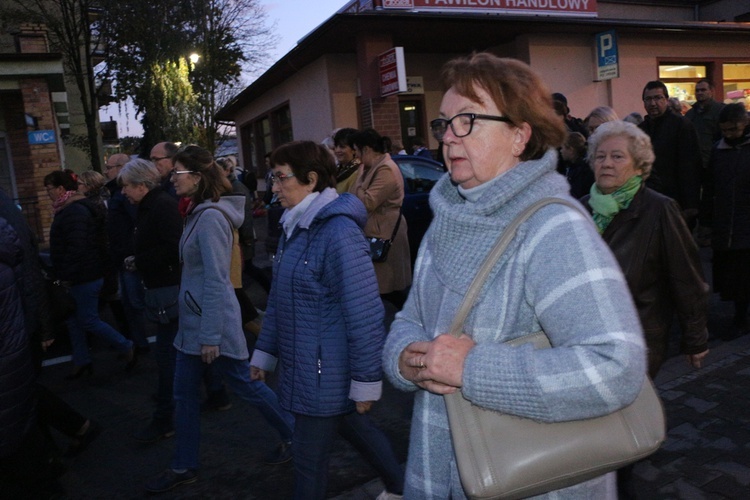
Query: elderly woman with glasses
point(500, 134)
point(210, 326)
point(324, 322)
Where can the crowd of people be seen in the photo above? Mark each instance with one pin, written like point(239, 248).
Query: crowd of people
point(171, 235)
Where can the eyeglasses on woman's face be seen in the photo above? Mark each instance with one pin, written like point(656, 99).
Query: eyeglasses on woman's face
point(461, 124)
point(279, 177)
point(174, 172)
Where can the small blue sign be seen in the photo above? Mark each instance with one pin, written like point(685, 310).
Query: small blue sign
point(607, 61)
point(42, 137)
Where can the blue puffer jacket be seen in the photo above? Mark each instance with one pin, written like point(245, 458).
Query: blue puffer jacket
point(324, 321)
point(16, 368)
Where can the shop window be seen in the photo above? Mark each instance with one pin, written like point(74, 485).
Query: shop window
point(680, 79)
point(732, 79)
point(266, 133)
point(736, 83)
point(283, 119)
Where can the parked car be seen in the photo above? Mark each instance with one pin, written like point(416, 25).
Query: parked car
point(420, 174)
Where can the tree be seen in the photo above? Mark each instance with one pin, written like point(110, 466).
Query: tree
point(74, 27)
point(229, 34)
point(146, 58)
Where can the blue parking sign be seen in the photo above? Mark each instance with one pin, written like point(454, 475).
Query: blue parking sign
point(607, 61)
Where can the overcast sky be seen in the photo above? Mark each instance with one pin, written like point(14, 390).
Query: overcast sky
point(294, 19)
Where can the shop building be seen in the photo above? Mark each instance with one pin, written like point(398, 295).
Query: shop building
point(595, 52)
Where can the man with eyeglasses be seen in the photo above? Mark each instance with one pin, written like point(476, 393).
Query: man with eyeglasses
point(111, 168)
point(161, 157)
point(677, 167)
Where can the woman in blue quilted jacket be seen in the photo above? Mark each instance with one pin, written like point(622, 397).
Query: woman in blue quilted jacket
point(324, 321)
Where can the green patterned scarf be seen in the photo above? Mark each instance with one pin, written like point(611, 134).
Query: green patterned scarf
point(606, 206)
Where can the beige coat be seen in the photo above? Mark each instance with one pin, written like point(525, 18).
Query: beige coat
point(381, 189)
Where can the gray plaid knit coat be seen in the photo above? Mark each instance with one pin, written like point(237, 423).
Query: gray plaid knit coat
point(557, 275)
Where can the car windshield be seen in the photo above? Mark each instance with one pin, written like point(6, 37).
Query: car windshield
point(419, 177)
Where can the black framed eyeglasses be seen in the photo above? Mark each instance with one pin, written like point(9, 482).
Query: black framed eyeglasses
point(461, 124)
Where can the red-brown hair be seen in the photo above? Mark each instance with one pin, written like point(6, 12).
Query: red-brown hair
point(517, 91)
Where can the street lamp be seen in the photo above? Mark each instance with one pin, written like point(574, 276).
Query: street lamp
point(194, 58)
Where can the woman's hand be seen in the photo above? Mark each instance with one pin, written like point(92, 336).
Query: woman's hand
point(363, 406)
point(437, 365)
point(257, 374)
point(209, 353)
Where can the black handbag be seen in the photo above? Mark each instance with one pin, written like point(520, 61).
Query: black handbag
point(161, 303)
point(379, 247)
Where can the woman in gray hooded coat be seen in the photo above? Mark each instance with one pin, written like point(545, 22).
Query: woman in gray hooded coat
point(210, 327)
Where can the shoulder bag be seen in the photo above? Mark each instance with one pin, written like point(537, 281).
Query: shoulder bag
point(510, 457)
point(379, 247)
point(161, 303)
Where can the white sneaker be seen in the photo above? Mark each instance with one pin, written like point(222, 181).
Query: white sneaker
point(384, 495)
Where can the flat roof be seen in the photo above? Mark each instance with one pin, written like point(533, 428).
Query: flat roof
point(418, 32)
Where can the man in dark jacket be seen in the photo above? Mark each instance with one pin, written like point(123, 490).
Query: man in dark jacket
point(728, 213)
point(704, 115)
point(676, 170)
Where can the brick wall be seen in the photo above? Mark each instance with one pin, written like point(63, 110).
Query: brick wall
point(382, 114)
point(32, 39)
point(32, 163)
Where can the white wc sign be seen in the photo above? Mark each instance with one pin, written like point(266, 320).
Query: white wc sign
point(42, 137)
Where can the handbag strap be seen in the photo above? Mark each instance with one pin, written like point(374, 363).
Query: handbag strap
point(489, 262)
point(398, 222)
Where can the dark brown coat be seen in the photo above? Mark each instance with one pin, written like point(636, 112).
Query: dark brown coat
point(661, 264)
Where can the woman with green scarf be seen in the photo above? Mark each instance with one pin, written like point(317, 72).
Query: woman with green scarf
point(650, 240)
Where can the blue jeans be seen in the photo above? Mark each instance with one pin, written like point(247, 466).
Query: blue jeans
point(165, 362)
point(131, 293)
point(187, 384)
point(86, 319)
point(311, 448)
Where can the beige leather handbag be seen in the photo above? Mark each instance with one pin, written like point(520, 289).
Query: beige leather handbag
point(505, 456)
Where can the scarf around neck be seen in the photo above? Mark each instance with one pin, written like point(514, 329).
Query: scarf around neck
point(607, 206)
point(62, 201)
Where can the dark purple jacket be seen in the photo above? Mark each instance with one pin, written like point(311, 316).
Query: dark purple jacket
point(16, 367)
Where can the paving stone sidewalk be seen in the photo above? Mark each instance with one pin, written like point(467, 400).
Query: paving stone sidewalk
point(707, 452)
